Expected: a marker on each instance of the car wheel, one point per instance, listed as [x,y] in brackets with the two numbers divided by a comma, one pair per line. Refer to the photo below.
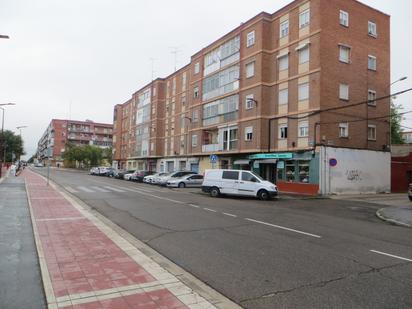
[214,192]
[410,198]
[263,195]
[181,185]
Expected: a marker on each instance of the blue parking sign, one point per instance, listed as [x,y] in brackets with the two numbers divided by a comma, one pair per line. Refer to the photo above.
[213,158]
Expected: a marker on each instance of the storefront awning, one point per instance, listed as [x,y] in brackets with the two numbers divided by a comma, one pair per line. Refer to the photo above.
[267,161]
[241,162]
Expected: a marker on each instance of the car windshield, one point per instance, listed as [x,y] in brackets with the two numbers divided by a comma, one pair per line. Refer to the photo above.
[258,177]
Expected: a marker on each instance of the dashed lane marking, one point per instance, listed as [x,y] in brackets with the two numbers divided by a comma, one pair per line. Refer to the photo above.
[208,209]
[228,214]
[114,189]
[85,189]
[391,255]
[193,205]
[283,228]
[99,189]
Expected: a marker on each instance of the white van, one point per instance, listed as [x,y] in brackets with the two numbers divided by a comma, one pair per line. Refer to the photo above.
[237,182]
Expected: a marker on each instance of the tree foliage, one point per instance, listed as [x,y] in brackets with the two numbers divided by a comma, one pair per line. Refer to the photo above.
[396,127]
[84,156]
[12,143]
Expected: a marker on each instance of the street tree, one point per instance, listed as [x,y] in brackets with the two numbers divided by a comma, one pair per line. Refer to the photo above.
[12,144]
[396,124]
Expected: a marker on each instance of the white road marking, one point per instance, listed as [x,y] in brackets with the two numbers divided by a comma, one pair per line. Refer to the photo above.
[100,189]
[283,228]
[85,189]
[70,189]
[391,255]
[230,215]
[133,190]
[114,189]
[193,205]
[208,209]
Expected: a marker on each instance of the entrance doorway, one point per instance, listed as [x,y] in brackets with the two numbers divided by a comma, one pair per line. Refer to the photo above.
[268,171]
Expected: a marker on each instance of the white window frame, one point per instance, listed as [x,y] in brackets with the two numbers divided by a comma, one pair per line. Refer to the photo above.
[371,101]
[250,69]
[283,96]
[283,62]
[196,93]
[344,130]
[372,138]
[372,29]
[248,101]
[344,48]
[194,140]
[374,67]
[304,19]
[303,91]
[197,68]
[344,92]
[248,134]
[284,29]
[303,129]
[304,55]
[195,115]
[282,132]
[344,18]
[250,39]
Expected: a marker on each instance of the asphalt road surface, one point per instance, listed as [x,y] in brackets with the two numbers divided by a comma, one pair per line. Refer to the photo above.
[288,253]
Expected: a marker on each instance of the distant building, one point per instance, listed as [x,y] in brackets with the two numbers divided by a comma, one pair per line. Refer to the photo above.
[267,96]
[407,137]
[60,132]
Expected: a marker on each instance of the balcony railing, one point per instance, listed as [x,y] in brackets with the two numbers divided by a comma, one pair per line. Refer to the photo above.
[210,148]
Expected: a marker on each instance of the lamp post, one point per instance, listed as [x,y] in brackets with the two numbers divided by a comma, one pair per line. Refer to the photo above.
[2,36]
[2,135]
[390,108]
[186,135]
[19,128]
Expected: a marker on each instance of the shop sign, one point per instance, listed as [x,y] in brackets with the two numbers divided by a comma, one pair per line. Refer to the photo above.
[280,164]
[286,155]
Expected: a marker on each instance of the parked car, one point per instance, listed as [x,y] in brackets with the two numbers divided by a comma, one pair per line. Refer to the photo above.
[139,175]
[38,165]
[120,173]
[195,180]
[94,171]
[111,172]
[154,179]
[410,192]
[104,171]
[237,182]
[128,176]
[164,179]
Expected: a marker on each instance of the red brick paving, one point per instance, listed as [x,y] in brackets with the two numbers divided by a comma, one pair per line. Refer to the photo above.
[80,258]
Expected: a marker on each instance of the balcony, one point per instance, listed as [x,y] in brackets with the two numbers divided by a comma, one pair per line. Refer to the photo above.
[210,148]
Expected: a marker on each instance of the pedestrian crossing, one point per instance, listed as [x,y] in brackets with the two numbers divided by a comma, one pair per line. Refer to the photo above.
[108,189]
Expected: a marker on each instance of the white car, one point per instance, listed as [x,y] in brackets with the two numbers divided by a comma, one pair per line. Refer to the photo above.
[152,178]
[193,181]
[127,176]
[164,179]
[237,182]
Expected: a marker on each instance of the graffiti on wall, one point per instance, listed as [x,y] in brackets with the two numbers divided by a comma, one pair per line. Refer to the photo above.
[354,175]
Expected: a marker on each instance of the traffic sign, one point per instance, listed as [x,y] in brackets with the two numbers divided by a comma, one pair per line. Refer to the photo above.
[333,162]
[213,158]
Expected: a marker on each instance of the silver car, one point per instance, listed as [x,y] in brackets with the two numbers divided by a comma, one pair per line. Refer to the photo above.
[186,181]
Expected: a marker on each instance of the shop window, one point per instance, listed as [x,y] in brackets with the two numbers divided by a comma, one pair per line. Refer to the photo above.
[304,171]
[290,171]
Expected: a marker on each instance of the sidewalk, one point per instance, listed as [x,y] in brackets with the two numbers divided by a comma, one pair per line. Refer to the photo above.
[399,210]
[20,278]
[86,264]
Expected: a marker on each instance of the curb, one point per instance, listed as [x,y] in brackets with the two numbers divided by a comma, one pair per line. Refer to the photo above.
[393,221]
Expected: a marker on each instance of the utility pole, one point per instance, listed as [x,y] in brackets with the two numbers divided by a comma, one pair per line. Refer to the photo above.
[175,51]
[19,128]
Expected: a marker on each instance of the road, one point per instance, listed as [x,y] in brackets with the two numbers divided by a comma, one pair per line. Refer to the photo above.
[288,253]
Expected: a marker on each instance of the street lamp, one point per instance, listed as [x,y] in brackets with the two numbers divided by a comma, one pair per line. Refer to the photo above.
[19,128]
[2,36]
[2,135]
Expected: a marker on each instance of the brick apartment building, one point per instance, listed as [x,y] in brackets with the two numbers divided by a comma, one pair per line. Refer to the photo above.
[60,132]
[266,96]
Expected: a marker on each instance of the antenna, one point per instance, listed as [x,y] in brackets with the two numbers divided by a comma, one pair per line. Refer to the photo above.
[175,51]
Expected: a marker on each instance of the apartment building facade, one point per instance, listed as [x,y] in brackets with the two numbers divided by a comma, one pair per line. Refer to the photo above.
[266,95]
[60,132]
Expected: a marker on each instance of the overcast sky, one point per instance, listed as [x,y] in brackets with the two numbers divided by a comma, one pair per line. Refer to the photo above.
[93,54]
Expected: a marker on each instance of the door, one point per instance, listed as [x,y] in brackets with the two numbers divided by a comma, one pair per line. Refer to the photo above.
[230,181]
[248,184]
[194,167]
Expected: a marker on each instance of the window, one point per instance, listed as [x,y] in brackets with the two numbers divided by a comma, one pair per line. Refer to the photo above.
[284,29]
[343,92]
[343,130]
[372,63]
[229,138]
[344,53]
[372,30]
[250,69]
[223,110]
[303,129]
[283,96]
[283,131]
[303,167]
[290,171]
[194,140]
[249,101]
[303,92]
[183,100]
[304,55]
[344,18]
[284,63]
[230,175]
[197,67]
[196,92]
[195,116]
[221,83]
[371,132]
[250,39]
[248,133]
[304,18]
[154,91]
[249,177]
[372,97]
